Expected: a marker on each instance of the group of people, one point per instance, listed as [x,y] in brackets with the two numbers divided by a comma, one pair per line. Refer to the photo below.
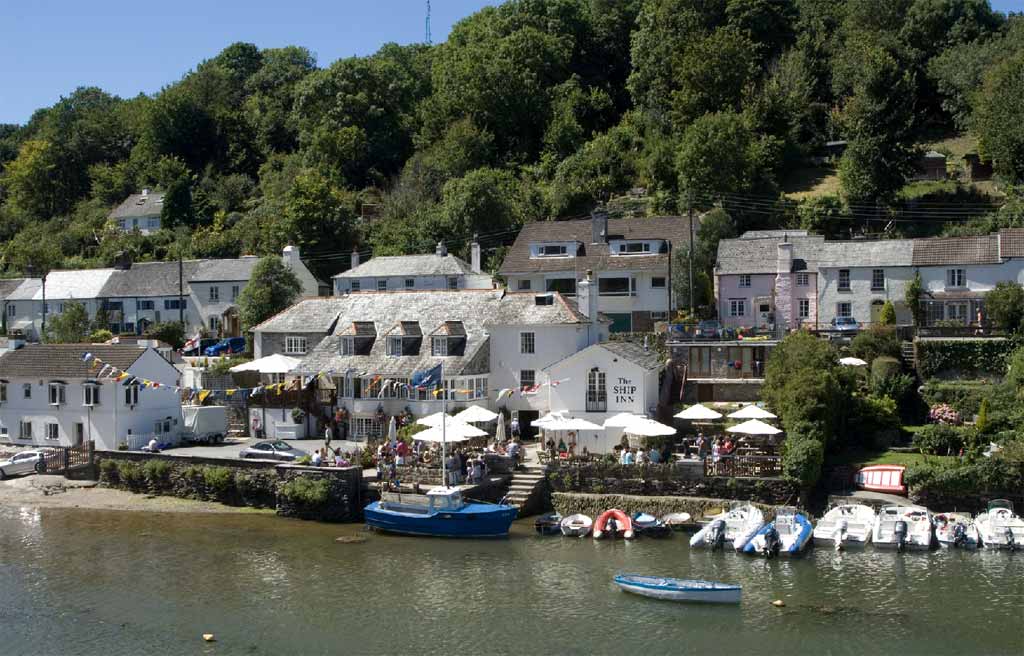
[327,457]
[631,455]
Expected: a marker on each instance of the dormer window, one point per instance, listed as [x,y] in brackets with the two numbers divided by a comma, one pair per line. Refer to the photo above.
[405,339]
[552,250]
[57,394]
[448,340]
[439,347]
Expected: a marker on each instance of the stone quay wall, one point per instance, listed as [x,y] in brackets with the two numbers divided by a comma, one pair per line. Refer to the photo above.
[592,505]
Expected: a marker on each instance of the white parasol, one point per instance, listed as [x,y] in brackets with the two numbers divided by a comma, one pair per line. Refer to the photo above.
[452,425]
[699,412]
[852,362]
[754,427]
[644,427]
[751,412]
[435,434]
[476,413]
[620,420]
[571,423]
[272,364]
[547,419]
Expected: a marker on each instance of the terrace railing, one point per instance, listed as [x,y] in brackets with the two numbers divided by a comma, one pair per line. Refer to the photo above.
[744,466]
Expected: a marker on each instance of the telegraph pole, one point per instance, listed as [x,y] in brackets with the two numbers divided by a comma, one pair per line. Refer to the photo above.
[689,211]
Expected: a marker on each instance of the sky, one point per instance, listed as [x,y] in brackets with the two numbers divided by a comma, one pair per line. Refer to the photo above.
[50,47]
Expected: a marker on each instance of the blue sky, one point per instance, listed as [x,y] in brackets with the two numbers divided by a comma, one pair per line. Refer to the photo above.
[50,47]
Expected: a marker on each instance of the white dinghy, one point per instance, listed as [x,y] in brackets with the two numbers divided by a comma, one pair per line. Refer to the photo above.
[903,527]
[845,525]
[577,526]
[999,527]
[957,530]
[735,526]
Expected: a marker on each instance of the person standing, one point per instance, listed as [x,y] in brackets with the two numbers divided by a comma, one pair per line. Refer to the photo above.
[514,426]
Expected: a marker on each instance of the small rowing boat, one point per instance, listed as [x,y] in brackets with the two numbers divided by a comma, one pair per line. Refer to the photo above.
[549,524]
[659,587]
[650,526]
[576,526]
[611,522]
[956,530]
[678,521]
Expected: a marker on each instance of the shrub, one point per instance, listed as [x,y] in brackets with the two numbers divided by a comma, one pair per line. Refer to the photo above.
[304,460]
[987,476]
[884,367]
[887,317]
[306,491]
[366,458]
[1005,305]
[157,473]
[131,475]
[982,425]
[219,480]
[802,459]
[876,342]
[966,357]
[877,413]
[108,472]
[223,366]
[170,332]
[964,396]
[939,439]
[944,414]
[100,336]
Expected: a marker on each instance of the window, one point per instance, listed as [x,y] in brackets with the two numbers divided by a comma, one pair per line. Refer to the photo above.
[956,278]
[564,286]
[802,280]
[214,294]
[144,305]
[635,247]
[27,388]
[527,343]
[57,394]
[658,282]
[234,292]
[24,430]
[355,286]
[439,346]
[215,325]
[3,392]
[659,316]
[410,283]
[453,282]
[91,395]
[527,378]
[172,304]
[273,379]
[348,345]
[394,346]
[46,308]
[11,310]
[131,395]
[744,280]
[115,306]
[737,307]
[552,251]
[844,310]
[844,280]
[365,427]
[877,279]
[52,431]
[129,327]
[382,285]
[803,308]
[60,308]
[294,345]
[597,391]
[616,287]
[523,285]
[153,223]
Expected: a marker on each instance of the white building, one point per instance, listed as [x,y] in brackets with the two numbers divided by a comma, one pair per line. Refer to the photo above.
[25,305]
[439,270]
[631,260]
[142,294]
[50,397]
[856,278]
[139,212]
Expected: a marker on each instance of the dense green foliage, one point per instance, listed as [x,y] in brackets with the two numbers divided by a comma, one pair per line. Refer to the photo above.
[272,288]
[1005,305]
[70,326]
[967,357]
[531,110]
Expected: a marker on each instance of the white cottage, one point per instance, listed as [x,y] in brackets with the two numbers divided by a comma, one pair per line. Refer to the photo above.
[49,396]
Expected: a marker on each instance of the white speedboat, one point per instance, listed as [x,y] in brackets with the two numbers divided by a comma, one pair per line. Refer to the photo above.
[955,529]
[577,526]
[735,526]
[788,534]
[903,527]
[999,527]
[845,525]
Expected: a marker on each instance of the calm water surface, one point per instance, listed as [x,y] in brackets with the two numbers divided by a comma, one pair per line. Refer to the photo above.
[85,582]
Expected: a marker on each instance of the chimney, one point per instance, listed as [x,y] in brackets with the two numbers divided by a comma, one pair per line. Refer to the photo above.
[355,259]
[474,255]
[784,259]
[122,261]
[586,300]
[598,226]
[441,250]
[145,192]
[290,257]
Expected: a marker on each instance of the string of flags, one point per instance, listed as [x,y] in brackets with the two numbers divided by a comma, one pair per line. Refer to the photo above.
[528,390]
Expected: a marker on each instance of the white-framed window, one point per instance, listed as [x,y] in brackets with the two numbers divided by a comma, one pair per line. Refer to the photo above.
[744,280]
[295,345]
[52,431]
[597,391]
[235,290]
[57,393]
[355,286]
[527,377]
[453,282]
[382,285]
[24,430]
[616,286]
[956,278]
[803,308]
[394,347]
[214,293]
[737,307]
[802,280]
[348,345]
[173,304]
[877,279]
[659,316]
[844,310]
[143,305]
[273,379]
[215,325]
[90,395]
[527,343]
[12,309]
[844,280]
[153,224]
[632,247]
[439,347]
[131,395]
[366,427]
[410,283]
[658,282]
[3,392]
[552,250]
[26,390]
[523,285]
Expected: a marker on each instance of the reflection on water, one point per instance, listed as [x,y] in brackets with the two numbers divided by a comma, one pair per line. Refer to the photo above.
[84,582]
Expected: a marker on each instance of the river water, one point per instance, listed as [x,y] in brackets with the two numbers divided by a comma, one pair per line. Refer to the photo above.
[90,582]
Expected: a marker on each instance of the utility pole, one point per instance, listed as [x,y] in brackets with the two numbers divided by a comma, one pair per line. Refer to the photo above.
[181,278]
[689,211]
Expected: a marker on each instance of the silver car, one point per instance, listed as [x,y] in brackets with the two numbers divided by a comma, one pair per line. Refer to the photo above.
[271,450]
[25,462]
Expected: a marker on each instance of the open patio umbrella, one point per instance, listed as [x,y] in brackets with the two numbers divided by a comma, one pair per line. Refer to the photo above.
[499,433]
[572,424]
[644,427]
[476,413]
[434,419]
[751,412]
[434,434]
[699,412]
[546,419]
[620,420]
[452,426]
[754,427]
[852,362]
[272,364]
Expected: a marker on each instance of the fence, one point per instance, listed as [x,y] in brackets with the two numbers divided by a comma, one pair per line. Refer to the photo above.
[62,459]
[743,466]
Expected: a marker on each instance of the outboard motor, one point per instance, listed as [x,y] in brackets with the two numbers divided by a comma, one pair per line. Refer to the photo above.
[1011,544]
[610,527]
[959,535]
[772,543]
[716,534]
[840,535]
[900,533]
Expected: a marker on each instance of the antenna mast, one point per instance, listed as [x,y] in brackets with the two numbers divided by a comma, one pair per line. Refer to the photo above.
[429,41]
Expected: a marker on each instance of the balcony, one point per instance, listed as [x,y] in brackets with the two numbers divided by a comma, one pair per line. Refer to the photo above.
[597,404]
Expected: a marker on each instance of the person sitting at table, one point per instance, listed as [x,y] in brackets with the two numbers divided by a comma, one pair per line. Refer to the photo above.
[728,447]
[550,444]
[654,456]
[628,457]
[585,453]
[641,457]
[561,445]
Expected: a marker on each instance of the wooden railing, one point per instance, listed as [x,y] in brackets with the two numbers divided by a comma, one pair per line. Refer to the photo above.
[743,466]
[62,459]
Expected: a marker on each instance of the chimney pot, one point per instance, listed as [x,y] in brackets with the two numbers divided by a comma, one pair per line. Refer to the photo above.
[474,255]
[355,259]
[441,250]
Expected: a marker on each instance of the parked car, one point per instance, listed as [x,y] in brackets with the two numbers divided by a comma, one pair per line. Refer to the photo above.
[709,329]
[25,462]
[271,450]
[226,346]
[845,324]
[199,348]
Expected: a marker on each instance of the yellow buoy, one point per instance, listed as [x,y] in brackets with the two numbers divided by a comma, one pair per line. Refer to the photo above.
[778,603]
[208,637]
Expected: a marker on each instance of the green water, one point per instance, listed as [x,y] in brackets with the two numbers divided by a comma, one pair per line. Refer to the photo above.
[85,582]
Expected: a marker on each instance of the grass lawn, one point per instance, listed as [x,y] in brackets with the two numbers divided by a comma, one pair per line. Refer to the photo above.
[862,458]
[811,181]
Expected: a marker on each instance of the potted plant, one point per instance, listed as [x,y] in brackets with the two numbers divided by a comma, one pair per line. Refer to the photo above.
[298,415]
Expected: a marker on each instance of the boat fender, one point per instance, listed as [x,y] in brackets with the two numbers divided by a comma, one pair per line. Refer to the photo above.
[900,533]
[778,603]
[209,637]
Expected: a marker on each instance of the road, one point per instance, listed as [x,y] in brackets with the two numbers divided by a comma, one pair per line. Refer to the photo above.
[232,446]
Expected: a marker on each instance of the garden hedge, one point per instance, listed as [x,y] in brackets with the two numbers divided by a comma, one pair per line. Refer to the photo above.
[964,357]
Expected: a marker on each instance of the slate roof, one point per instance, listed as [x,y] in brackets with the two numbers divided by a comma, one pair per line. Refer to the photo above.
[939,251]
[310,315]
[41,361]
[64,285]
[757,255]
[139,205]
[476,309]
[867,253]
[409,265]
[148,279]
[8,285]
[635,353]
[225,270]
[674,229]
[1011,242]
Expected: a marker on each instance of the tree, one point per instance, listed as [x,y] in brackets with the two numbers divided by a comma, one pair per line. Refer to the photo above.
[887,317]
[702,292]
[169,332]
[914,297]
[1005,305]
[33,250]
[999,118]
[271,289]
[718,154]
[70,326]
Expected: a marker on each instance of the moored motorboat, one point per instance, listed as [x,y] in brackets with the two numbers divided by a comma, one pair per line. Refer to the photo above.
[999,527]
[903,527]
[611,522]
[845,525]
[678,521]
[955,529]
[650,526]
[659,587]
[549,524]
[576,526]
[788,534]
[735,526]
[441,512]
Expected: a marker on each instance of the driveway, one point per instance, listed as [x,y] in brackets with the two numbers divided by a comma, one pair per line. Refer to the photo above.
[232,446]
